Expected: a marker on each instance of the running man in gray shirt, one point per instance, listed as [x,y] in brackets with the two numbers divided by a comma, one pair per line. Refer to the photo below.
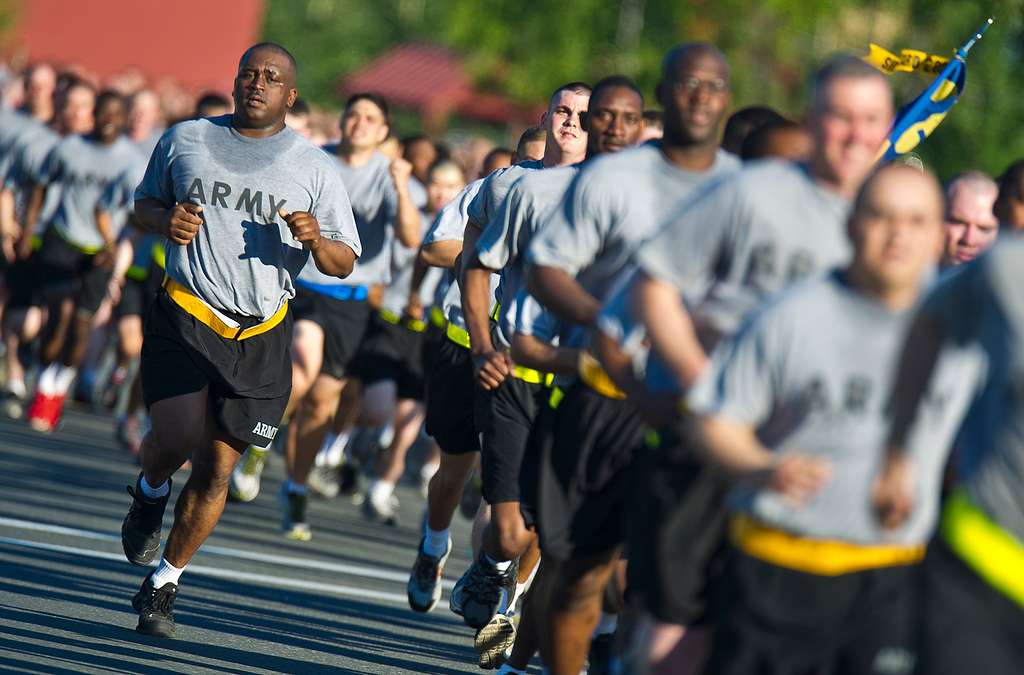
[974,595]
[794,409]
[244,202]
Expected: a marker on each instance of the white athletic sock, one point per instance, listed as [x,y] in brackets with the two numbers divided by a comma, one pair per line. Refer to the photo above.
[501,566]
[321,455]
[607,624]
[154,492]
[521,588]
[385,435]
[435,542]
[166,573]
[292,487]
[48,380]
[65,376]
[16,387]
[381,491]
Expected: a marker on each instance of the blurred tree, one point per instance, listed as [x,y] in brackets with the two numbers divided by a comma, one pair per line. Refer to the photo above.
[524,50]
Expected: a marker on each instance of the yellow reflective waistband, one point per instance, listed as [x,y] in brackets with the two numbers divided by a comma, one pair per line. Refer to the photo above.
[414,325]
[822,557]
[459,336]
[557,394]
[533,376]
[137,273]
[437,317]
[88,250]
[992,552]
[183,298]
[594,376]
[159,253]
[495,311]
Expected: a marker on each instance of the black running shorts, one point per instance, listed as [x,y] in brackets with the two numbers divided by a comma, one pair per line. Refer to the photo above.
[778,620]
[391,352]
[537,445]
[249,380]
[676,534]
[66,272]
[585,477]
[344,322]
[505,418]
[969,626]
[22,280]
[450,398]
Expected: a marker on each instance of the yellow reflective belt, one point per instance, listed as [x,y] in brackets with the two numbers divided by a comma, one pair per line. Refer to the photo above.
[137,273]
[822,557]
[594,376]
[495,311]
[414,325]
[533,376]
[88,250]
[437,317]
[992,552]
[457,335]
[159,254]
[183,298]
[557,394]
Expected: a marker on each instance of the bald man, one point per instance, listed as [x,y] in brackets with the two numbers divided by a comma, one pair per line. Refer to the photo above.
[244,203]
[971,223]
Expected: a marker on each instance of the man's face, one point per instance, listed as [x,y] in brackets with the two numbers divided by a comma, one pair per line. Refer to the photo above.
[695,99]
[421,154]
[850,126]
[971,227]
[41,85]
[363,126]
[443,184]
[144,114]
[897,232]
[111,119]
[614,120]
[76,114]
[564,122]
[264,89]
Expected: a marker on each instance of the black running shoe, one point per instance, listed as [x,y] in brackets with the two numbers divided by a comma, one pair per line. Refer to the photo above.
[482,591]
[140,531]
[156,608]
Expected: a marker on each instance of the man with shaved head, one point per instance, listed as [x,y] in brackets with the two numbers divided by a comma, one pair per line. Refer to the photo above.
[793,408]
[244,202]
[971,224]
[145,120]
[610,207]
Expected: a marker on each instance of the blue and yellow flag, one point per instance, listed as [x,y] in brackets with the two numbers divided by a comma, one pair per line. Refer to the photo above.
[918,119]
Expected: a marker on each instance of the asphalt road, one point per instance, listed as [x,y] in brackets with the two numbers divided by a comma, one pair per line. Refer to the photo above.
[250,602]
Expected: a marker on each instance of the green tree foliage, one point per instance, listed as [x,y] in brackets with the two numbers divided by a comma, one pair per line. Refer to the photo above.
[524,50]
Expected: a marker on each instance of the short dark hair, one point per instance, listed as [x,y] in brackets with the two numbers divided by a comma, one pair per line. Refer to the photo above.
[531,135]
[300,107]
[575,87]
[108,95]
[211,99]
[273,46]
[755,145]
[654,119]
[617,81]
[492,156]
[743,122]
[375,99]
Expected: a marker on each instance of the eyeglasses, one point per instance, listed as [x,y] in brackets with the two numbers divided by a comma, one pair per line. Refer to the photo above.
[691,85]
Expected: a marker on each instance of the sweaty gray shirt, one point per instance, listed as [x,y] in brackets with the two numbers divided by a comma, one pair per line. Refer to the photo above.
[81,168]
[982,307]
[812,371]
[529,203]
[244,258]
[375,207]
[615,203]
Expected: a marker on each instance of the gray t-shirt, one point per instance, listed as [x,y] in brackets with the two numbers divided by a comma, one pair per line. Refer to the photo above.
[118,198]
[528,204]
[615,203]
[982,307]
[81,169]
[13,127]
[396,295]
[812,371]
[244,259]
[27,155]
[744,238]
[375,207]
[492,193]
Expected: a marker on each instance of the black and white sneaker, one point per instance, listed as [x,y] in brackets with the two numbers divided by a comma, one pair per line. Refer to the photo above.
[493,642]
[140,531]
[156,608]
[424,588]
[482,591]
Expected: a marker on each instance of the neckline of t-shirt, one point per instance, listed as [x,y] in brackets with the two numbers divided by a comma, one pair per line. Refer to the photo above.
[275,137]
[688,173]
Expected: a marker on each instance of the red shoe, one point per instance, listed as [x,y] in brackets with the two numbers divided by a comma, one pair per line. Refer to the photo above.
[39,412]
[55,410]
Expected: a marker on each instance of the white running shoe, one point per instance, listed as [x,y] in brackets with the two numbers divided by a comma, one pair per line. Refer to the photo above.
[245,479]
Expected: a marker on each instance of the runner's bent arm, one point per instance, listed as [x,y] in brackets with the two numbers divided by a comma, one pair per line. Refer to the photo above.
[407,220]
[562,294]
[659,308]
[440,253]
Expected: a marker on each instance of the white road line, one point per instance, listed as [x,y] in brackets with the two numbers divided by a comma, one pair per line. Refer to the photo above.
[285,582]
[270,558]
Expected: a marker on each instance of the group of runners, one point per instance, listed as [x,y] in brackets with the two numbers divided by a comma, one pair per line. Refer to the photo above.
[737,399]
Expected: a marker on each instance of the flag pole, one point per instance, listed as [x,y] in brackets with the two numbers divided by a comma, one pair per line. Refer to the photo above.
[962,52]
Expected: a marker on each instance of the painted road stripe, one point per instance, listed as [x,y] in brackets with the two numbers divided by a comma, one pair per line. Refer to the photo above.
[284,560]
[236,575]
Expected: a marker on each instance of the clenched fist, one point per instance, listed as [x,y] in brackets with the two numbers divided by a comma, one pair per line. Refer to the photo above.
[304,227]
[400,170]
[183,222]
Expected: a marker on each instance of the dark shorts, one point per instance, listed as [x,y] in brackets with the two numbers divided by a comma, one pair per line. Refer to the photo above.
[778,620]
[344,322]
[505,418]
[391,352]
[969,627]
[676,534]
[22,277]
[585,477]
[66,272]
[138,294]
[249,380]
[451,390]
[537,445]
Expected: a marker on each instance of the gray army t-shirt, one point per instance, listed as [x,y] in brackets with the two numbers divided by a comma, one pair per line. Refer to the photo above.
[375,207]
[396,295]
[812,371]
[244,259]
[503,243]
[81,169]
[615,203]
